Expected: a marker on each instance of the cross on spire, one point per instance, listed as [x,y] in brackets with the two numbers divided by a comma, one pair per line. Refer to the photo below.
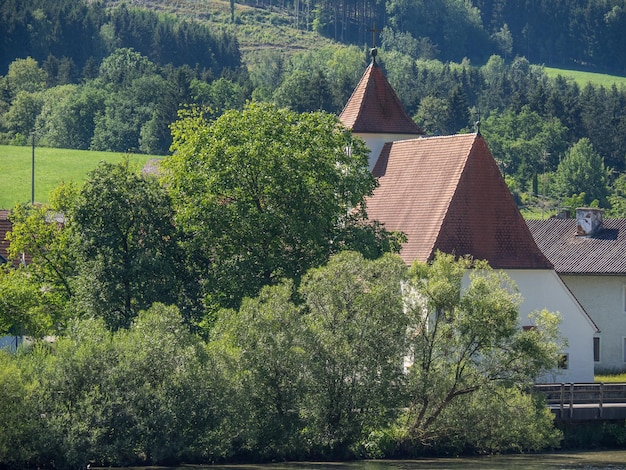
[374,31]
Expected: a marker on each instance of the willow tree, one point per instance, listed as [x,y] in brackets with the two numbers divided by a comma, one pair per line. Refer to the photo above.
[465,338]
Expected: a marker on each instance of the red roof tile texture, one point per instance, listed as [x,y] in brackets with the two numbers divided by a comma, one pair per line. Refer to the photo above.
[374,107]
[447,193]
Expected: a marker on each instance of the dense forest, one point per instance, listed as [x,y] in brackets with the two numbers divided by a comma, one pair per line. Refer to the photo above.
[76,36]
[113,76]
[566,33]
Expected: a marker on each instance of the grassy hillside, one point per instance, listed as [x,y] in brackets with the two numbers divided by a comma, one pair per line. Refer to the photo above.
[263,28]
[52,167]
[255,28]
[582,78]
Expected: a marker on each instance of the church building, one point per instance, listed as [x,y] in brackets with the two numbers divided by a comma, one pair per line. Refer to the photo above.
[447,194]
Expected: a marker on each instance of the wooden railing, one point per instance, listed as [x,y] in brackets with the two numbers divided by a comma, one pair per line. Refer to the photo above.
[566,397]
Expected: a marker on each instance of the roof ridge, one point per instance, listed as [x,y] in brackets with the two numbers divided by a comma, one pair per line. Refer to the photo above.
[360,90]
[453,194]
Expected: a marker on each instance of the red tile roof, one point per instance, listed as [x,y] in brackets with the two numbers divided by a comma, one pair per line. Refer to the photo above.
[447,193]
[5,226]
[374,107]
[601,253]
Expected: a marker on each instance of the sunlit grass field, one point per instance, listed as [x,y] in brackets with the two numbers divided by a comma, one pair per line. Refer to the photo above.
[52,167]
[582,78]
[620,378]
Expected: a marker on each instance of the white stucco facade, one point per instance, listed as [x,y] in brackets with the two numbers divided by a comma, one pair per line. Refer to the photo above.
[544,289]
[604,299]
[376,142]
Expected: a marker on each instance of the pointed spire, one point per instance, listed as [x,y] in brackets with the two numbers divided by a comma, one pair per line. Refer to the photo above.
[374,106]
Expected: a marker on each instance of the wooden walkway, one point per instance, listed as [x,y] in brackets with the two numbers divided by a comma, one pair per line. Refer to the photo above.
[585,401]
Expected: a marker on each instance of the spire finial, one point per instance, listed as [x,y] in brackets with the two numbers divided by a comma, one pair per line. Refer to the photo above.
[477,123]
[373,52]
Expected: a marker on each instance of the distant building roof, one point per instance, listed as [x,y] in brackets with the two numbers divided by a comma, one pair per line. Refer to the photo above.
[5,227]
[602,253]
[374,107]
[447,193]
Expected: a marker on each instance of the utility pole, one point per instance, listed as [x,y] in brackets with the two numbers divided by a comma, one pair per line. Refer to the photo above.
[32,181]
[544,158]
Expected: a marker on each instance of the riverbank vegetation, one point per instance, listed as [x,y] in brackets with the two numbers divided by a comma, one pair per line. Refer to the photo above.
[319,378]
[233,308]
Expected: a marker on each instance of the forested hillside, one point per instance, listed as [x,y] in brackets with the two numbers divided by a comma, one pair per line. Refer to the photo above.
[70,36]
[555,32]
[564,33]
[113,75]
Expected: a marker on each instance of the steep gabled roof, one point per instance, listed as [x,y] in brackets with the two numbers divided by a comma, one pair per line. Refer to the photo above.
[447,193]
[601,253]
[374,107]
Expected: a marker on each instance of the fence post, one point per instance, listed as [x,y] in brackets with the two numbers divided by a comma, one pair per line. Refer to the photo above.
[601,398]
[571,401]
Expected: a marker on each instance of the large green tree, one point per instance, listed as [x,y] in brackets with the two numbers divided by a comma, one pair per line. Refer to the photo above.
[316,368]
[260,350]
[355,345]
[583,171]
[138,396]
[34,296]
[69,113]
[128,254]
[267,193]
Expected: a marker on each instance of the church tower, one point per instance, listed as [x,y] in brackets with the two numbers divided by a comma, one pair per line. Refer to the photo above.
[374,112]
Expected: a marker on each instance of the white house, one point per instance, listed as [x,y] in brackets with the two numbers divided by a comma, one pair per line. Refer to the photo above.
[589,254]
[447,193]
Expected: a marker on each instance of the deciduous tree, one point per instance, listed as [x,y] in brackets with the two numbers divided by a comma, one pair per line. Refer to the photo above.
[128,253]
[267,193]
[466,338]
[583,171]
[355,345]
[261,350]
[41,232]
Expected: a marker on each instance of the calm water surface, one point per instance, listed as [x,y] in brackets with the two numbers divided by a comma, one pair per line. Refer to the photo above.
[615,460]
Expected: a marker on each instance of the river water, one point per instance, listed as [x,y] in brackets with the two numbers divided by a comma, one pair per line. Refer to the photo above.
[614,460]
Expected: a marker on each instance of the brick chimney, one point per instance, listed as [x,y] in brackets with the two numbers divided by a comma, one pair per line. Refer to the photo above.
[588,221]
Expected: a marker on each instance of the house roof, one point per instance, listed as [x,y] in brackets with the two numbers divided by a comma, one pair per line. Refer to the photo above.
[374,107]
[602,253]
[5,227]
[447,193]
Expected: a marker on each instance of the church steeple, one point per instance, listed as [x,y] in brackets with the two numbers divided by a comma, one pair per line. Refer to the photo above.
[375,113]
[374,106]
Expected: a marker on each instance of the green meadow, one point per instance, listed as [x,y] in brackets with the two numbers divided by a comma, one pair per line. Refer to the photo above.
[583,78]
[52,167]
